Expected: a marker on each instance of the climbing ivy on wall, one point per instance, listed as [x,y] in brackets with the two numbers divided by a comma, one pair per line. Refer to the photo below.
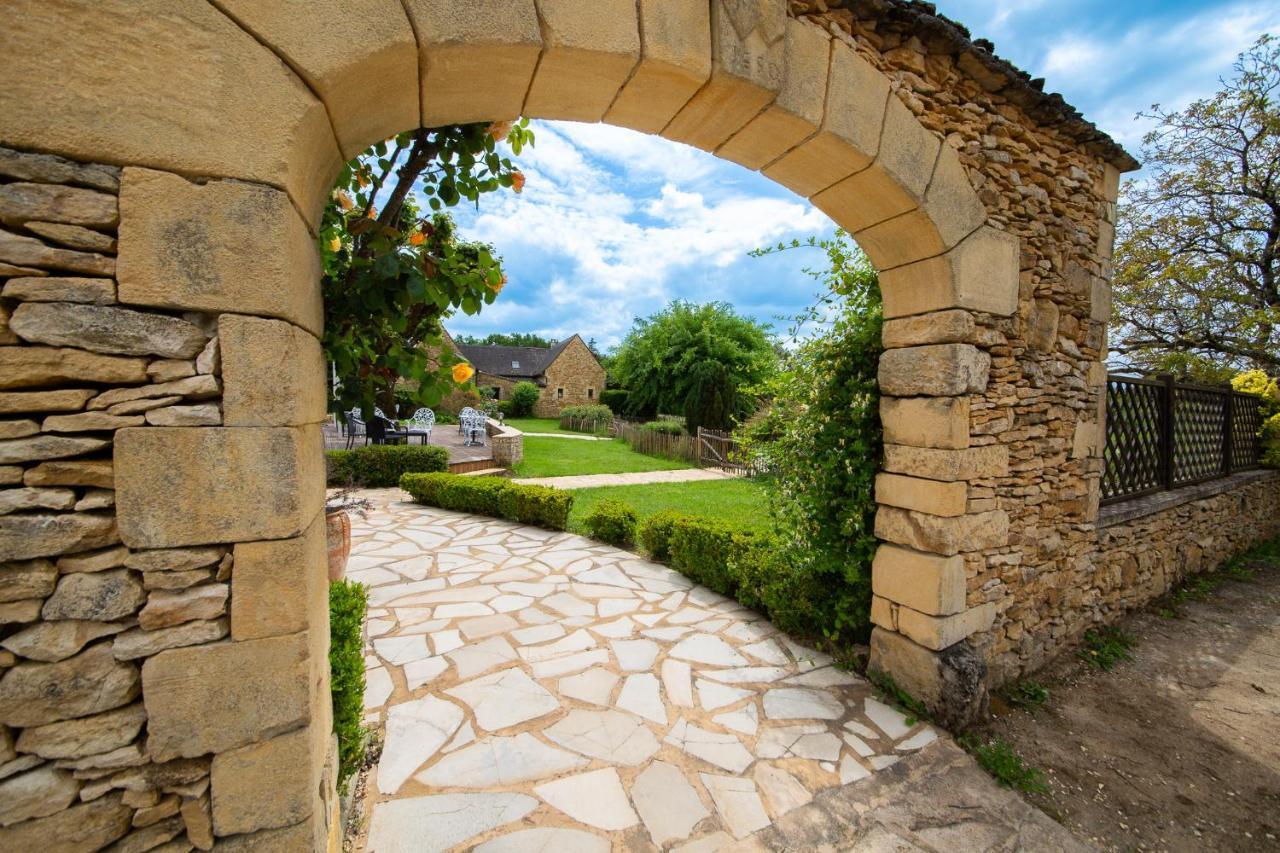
[394,265]
[820,435]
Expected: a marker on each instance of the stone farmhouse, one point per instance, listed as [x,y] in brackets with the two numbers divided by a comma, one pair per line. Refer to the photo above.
[568,373]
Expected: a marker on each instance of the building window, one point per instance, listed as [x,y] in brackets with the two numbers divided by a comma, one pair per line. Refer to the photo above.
[515,364]
[559,393]
[591,393]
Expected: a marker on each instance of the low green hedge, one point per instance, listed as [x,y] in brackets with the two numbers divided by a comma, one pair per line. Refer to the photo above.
[664,427]
[615,399]
[382,465]
[586,418]
[348,602]
[655,533]
[613,522]
[540,506]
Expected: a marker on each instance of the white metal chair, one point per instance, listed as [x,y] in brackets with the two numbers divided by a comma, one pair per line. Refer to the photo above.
[422,423]
[466,412]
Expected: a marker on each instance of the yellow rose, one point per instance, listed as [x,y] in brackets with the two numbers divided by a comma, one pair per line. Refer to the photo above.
[335,244]
[462,372]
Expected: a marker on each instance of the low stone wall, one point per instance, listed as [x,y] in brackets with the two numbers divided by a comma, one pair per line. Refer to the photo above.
[506,442]
[98,742]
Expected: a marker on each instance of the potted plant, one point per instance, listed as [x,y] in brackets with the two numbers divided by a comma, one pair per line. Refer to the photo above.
[337,522]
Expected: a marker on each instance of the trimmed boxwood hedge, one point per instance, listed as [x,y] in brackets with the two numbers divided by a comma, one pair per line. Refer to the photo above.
[382,465]
[348,602]
[613,522]
[540,506]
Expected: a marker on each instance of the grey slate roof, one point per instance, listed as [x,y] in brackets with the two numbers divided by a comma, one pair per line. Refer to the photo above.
[497,360]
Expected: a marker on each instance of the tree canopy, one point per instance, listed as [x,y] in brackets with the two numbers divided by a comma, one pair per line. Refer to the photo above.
[507,339]
[1197,288]
[696,360]
[391,275]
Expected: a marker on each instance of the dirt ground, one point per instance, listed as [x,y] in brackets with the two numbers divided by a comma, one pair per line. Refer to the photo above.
[1178,748]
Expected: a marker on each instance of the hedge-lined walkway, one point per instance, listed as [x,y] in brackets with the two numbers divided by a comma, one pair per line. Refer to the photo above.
[540,691]
[633,478]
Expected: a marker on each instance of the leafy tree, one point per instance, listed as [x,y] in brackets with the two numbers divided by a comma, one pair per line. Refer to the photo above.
[1198,257]
[507,339]
[694,358]
[524,396]
[820,436]
[390,275]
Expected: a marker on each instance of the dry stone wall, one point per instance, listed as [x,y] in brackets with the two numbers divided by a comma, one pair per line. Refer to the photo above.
[99,741]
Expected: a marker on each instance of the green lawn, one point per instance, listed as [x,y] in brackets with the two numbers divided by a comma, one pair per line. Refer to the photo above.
[563,457]
[538,425]
[739,501]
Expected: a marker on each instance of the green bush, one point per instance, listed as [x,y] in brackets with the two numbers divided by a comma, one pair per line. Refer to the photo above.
[524,396]
[655,533]
[507,408]
[615,399]
[664,427]
[348,602]
[493,496]
[1271,442]
[382,465]
[586,418]
[613,522]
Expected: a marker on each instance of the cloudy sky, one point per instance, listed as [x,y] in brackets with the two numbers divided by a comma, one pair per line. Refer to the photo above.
[612,224]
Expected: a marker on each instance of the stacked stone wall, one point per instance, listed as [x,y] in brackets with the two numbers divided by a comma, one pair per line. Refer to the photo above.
[97,626]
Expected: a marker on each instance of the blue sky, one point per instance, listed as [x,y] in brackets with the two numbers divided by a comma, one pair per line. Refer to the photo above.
[612,224]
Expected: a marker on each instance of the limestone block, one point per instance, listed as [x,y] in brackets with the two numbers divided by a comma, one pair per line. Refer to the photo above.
[168,369]
[797,111]
[142,643]
[928,583]
[26,367]
[588,53]
[210,358]
[95,596]
[6,336]
[748,52]
[1088,440]
[33,694]
[25,536]
[279,587]
[849,139]
[1099,300]
[931,496]
[94,561]
[69,400]
[174,559]
[55,641]
[176,580]
[36,793]
[359,56]
[216,246]
[178,486]
[20,612]
[28,579]
[195,387]
[307,835]
[267,785]
[90,422]
[932,632]
[91,291]
[27,252]
[22,202]
[210,699]
[16,500]
[273,373]
[497,41]
[935,370]
[675,60]
[197,817]
[1042,325]
[166,608]
[940,327]
[171,84]
[974,463]
[74,236]
[980,273]
[951,683]
[37,447]
[99,473]
[937,422]
[207,414]
[946,536]
[49,169]
[10,475]
[106,329]
[84,736]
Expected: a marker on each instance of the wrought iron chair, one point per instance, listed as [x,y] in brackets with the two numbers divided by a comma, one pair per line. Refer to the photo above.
[356,428]
[422,423]
[473,428]
[466,412]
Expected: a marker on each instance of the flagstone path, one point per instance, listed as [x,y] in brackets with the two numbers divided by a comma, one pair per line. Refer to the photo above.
[632,478]
[543,692]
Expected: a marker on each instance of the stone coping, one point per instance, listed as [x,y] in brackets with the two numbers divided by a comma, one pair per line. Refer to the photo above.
[1142,507]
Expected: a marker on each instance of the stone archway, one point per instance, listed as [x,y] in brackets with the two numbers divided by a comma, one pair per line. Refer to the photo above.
[987,206]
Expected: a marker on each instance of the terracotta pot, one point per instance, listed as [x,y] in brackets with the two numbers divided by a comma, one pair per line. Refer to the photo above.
[338,535]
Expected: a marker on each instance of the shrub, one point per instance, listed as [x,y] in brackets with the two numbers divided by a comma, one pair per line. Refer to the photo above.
[613,522]
[493,496]
[663,427]
[615,399]
[655,533]
[506,408]
[586,418]
[524,396]
[348,602]
[382,465]
[1271,442]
